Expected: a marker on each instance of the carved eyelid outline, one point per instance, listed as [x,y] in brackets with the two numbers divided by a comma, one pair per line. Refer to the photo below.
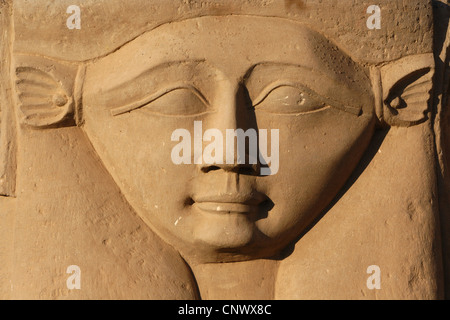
[158,94]
[275,85]
[327,103]
[278,84]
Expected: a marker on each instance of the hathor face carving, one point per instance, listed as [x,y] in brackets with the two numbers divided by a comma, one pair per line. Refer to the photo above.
[229,73]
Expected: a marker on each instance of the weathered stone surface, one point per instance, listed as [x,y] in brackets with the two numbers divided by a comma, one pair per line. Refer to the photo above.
[114,157]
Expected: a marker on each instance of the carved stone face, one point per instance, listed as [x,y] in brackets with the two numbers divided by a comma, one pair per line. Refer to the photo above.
[229,73]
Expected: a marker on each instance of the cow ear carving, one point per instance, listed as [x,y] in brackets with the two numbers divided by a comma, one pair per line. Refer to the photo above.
[45,91]
[403,90]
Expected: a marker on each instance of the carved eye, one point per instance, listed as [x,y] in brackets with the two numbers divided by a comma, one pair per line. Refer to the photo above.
[288,99]
[181,101]
[178,101]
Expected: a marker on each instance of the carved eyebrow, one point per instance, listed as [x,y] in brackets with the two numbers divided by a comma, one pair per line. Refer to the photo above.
[276,64]
[153,83]
[272,64]
[156,68]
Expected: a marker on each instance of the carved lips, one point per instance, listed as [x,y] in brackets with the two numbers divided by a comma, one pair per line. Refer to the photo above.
[247,201]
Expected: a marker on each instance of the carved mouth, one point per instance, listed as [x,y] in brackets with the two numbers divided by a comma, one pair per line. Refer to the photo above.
[223,207]
[242,203]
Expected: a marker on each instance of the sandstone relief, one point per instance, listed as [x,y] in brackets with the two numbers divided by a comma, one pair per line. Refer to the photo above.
[224,150]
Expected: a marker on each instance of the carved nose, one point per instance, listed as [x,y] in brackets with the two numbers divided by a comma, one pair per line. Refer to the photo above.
[243,169]
[232,122]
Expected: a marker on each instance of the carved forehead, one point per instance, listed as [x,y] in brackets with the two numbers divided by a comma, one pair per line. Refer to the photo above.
[40,26]
[240,44]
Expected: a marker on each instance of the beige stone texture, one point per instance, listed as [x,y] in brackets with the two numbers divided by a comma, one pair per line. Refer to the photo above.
[89,119]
